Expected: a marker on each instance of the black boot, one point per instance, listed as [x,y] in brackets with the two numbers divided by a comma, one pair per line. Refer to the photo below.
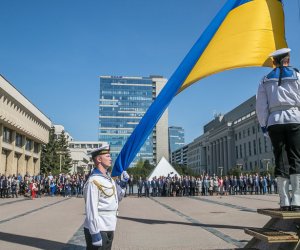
[295,208]
[285,208]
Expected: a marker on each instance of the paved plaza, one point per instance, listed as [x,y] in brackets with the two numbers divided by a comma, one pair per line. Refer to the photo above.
[144,223]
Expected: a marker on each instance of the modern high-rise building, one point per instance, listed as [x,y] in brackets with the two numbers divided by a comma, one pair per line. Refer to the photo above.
[123,102]
[176,138]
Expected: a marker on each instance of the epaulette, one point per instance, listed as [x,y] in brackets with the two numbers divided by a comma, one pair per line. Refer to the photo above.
[297,70]
[101,188]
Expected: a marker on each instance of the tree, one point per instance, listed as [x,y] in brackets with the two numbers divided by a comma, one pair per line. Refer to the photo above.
[65,160]
[184,170]
[235,171]
[54,153]
[49,156]
[142,168]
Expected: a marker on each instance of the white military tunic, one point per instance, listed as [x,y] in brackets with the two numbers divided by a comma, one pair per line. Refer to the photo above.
[102,196]
[279,104]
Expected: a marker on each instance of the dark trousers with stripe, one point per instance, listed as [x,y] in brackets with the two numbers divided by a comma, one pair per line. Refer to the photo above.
[285,140]
[107,239]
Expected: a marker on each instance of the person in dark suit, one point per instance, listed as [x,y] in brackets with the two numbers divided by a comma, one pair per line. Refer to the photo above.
[130,184]
[153,186]
[140,185]
[147,185]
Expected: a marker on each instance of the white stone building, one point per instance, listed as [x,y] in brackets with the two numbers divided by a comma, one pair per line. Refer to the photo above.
[23,129]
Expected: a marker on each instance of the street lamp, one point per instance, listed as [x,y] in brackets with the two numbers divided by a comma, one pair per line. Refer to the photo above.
[75,166]
[267,163]
[221,170]
[240,166]
[60,155]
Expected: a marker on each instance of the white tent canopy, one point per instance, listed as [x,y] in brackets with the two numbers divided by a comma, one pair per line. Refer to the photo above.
[163,168]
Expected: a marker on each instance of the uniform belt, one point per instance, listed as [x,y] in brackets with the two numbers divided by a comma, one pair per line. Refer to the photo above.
[283,108]
[108,212]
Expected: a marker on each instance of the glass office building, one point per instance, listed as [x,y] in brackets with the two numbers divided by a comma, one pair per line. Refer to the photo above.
[176,138]
[123,102]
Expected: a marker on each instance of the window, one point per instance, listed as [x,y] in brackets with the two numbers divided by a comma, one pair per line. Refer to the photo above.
[35,147]
[249,147]
[241,151]
[7,135]
[19,140]
[266,145]
[254,147]
[236,152]
[259,145]
[28,145]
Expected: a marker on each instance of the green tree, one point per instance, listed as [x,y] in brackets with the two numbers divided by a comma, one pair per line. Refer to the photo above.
[56,153]
[235,171]
[49,156]
[184,170]
[141,168]
[65,161]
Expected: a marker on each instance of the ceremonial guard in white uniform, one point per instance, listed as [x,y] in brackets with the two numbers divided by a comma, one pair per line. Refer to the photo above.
[102,196]
[278,112]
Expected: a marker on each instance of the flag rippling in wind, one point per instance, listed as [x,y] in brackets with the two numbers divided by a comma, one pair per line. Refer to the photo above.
[242,34]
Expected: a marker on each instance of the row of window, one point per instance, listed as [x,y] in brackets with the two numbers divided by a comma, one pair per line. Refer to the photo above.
[247,132]
[19,141]
[241,150]
[132,103]
[72,145]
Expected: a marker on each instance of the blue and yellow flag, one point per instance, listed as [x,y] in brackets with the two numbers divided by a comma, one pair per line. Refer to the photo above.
[242,34]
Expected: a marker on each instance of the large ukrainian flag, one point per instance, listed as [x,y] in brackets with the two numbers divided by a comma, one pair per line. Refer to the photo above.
[242,34]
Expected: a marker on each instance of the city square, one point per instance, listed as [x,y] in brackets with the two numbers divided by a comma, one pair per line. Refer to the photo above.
[198,222]
[107,141]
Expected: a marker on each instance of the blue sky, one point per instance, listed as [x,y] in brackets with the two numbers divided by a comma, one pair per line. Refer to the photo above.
[54,52]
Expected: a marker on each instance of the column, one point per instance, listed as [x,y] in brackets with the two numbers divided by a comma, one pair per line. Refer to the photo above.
[1,138]
[22,162]
[222,153]
[9,161]
[225,154]
[218,156]
[37,169]
[14,161]
[230,157]
[212,157]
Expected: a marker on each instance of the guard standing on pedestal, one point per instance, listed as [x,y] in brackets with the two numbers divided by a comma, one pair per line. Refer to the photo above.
[278,112]
[102,196]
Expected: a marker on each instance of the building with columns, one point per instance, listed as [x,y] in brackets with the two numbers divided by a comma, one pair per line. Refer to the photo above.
[231,140]
[23,129]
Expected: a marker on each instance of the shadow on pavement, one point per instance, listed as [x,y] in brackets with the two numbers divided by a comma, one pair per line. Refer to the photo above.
[148,221]
[37,242]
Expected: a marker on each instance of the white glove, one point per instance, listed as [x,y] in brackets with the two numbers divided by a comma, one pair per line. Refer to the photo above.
[125,176]
[96,239]
[266,135]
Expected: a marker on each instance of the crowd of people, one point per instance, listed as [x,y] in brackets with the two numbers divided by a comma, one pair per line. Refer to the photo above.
[35,186]
[68,185]
[204,185]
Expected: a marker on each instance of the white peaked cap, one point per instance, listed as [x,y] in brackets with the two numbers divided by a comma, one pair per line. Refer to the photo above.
[102,150]
[280,52]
